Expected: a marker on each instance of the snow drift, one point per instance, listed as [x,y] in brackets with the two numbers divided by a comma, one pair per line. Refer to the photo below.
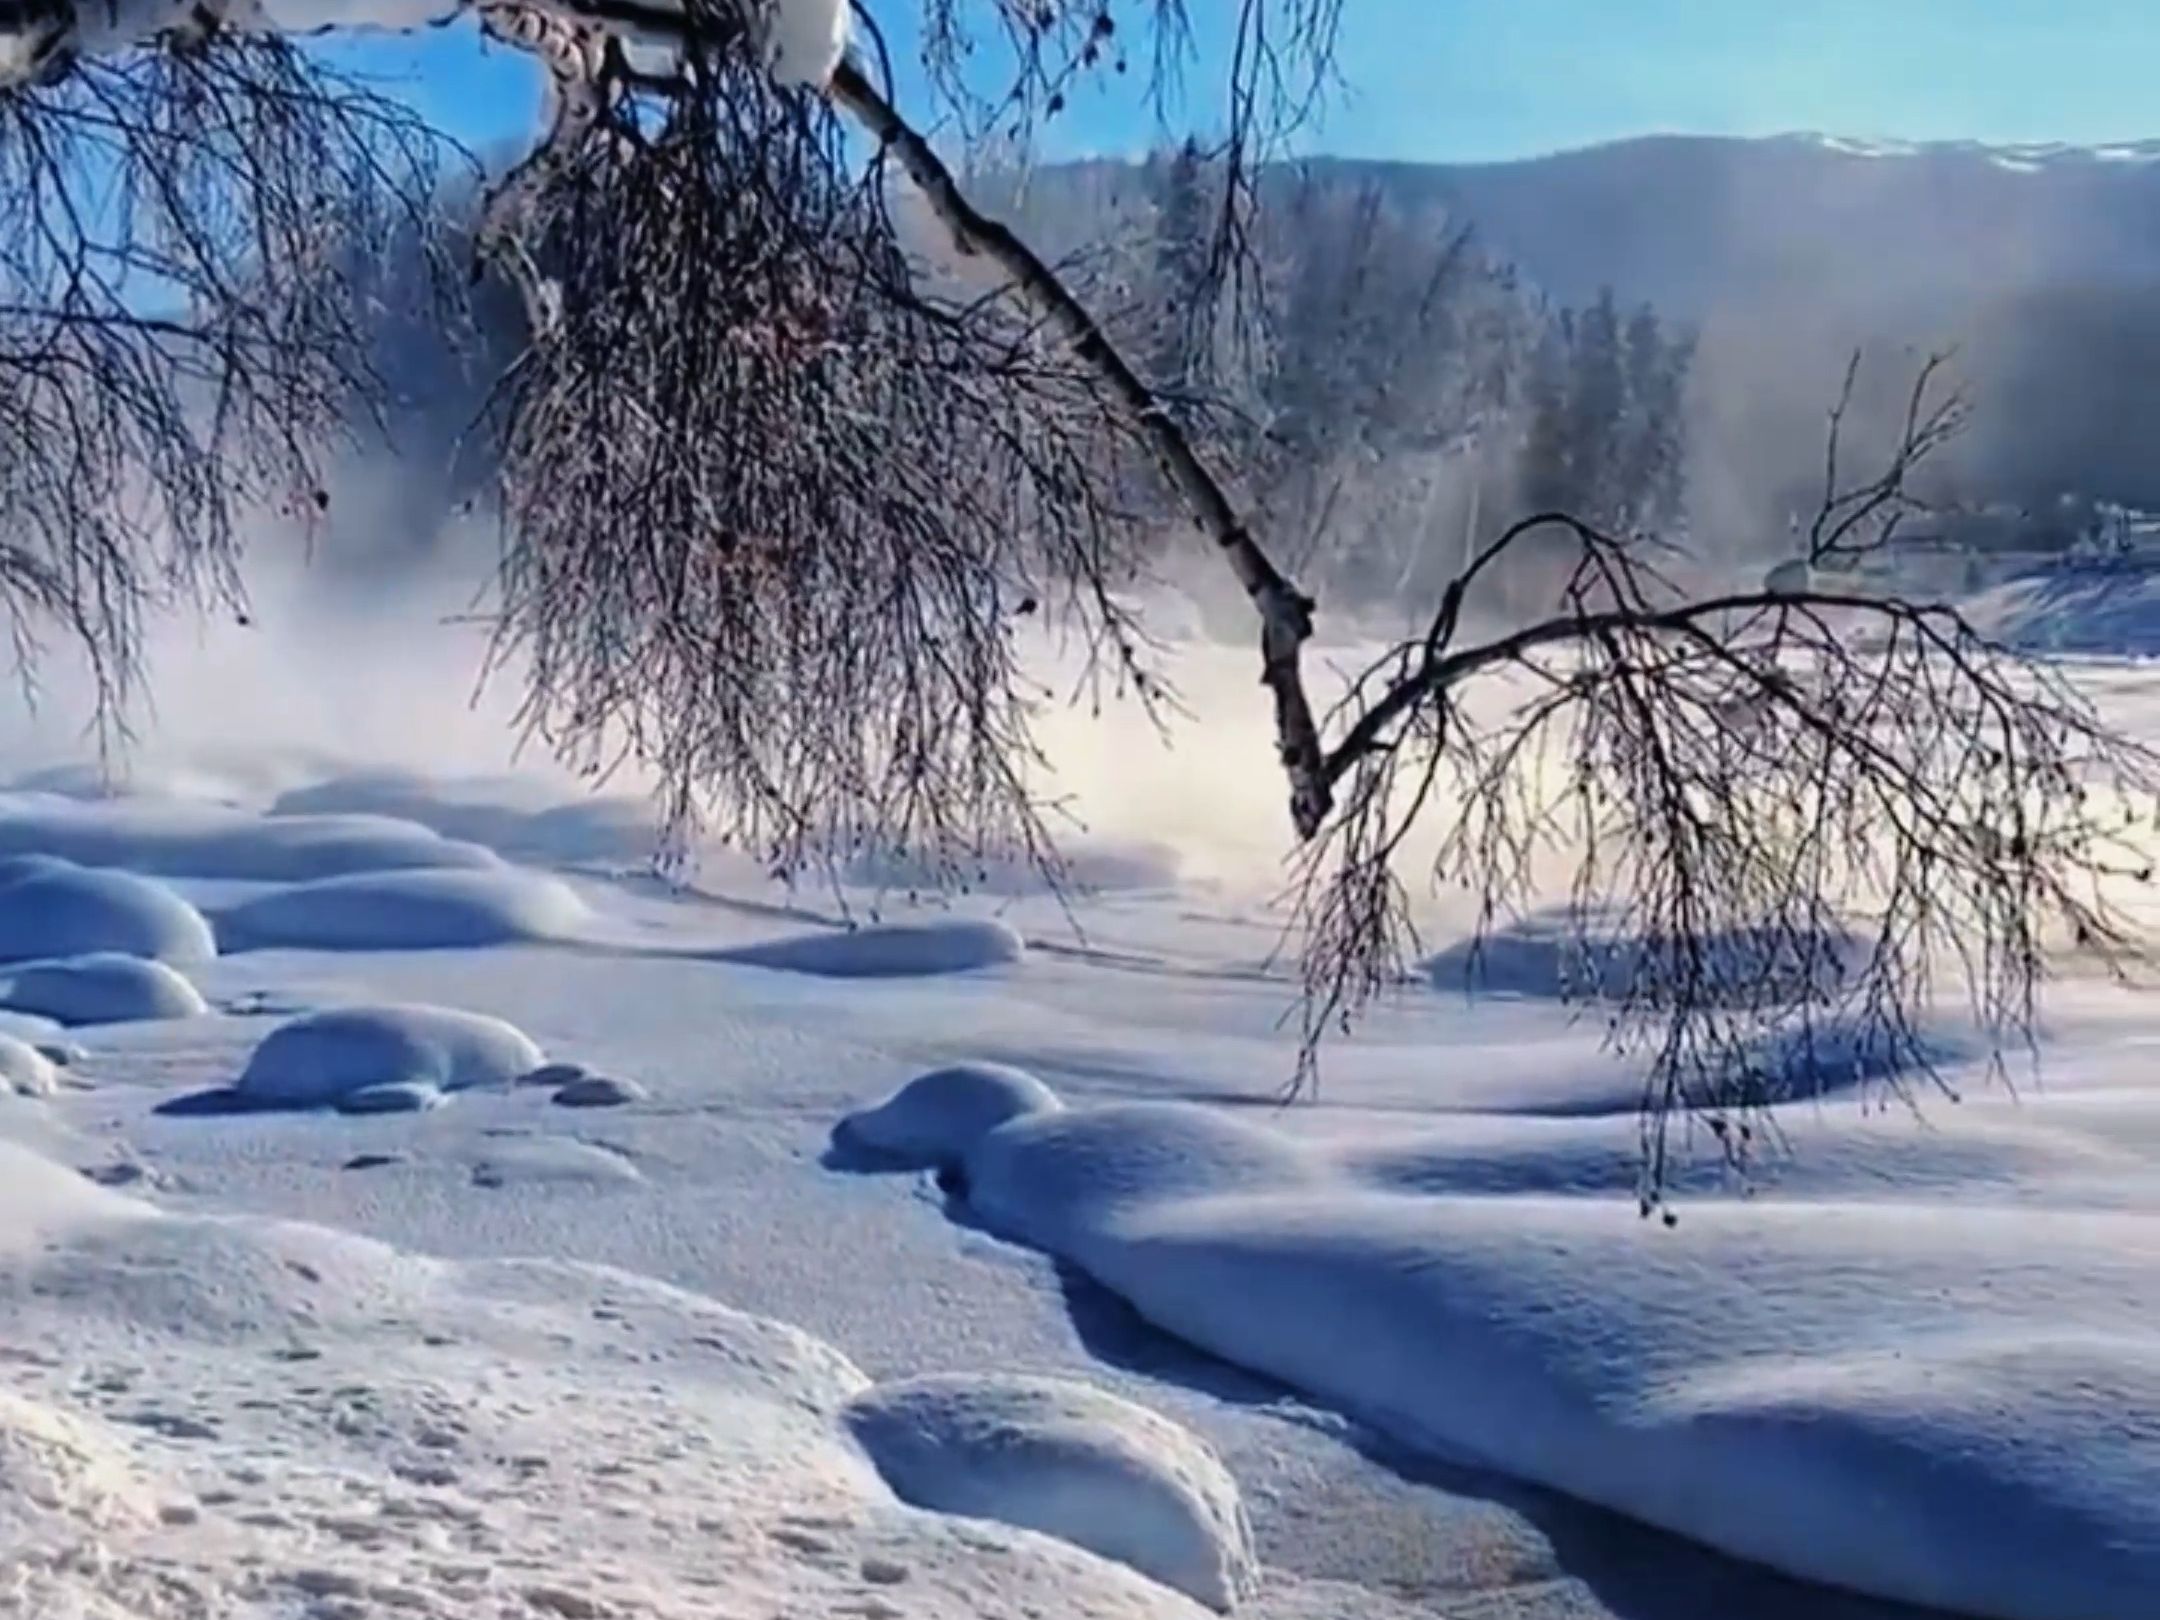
[1841,1391]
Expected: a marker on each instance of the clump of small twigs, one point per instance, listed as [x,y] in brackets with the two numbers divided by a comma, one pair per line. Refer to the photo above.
[776,513]
[1793,814]
[179,335]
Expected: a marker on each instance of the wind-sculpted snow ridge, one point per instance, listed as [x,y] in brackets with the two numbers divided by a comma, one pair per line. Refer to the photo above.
[250,1419]
[1949,1404]
[52,907]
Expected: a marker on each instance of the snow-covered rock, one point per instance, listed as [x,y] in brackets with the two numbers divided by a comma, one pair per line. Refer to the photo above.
[406,910]
[887,950]
[52,907]
[100,988]
[1070,1461]
[323,1059]
[936,1117]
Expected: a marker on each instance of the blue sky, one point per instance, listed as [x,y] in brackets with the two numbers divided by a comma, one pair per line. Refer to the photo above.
[1487,79]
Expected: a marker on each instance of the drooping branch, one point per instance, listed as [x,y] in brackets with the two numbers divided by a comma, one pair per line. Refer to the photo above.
[1784,818]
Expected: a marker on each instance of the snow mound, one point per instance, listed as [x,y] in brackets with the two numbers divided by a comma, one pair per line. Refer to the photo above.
[325,1059]
[509,815]
[887,950]
[1069,1461]
[935,1118]
[24,1070]
[407,910]
[177,838]
[29,1027]
[101,988]
[1888,1375]
[1554,956]
[52,907]
[1049,1179]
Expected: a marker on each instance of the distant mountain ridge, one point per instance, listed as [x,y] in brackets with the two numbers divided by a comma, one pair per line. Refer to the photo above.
[1891,234]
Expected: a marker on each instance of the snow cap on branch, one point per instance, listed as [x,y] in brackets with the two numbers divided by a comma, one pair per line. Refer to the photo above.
[802,41]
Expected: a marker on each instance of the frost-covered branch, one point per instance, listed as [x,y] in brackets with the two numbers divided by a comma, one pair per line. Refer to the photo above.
[180,334]
[1787,816]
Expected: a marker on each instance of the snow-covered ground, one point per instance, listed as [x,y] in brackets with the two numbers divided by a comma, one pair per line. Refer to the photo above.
[408,1206]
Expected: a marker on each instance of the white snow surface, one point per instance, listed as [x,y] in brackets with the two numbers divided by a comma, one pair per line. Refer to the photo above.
[888,950]
[1416,1325]
[411,910]
[326,1059]
[52,907]
[1071,1461]
[101,987]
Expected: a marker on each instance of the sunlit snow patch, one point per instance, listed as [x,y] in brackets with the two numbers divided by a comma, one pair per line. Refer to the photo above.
[1070,1461]
[52,907]
[100,988]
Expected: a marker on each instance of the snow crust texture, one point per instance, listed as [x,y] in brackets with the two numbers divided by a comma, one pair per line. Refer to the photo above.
[252,1419]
